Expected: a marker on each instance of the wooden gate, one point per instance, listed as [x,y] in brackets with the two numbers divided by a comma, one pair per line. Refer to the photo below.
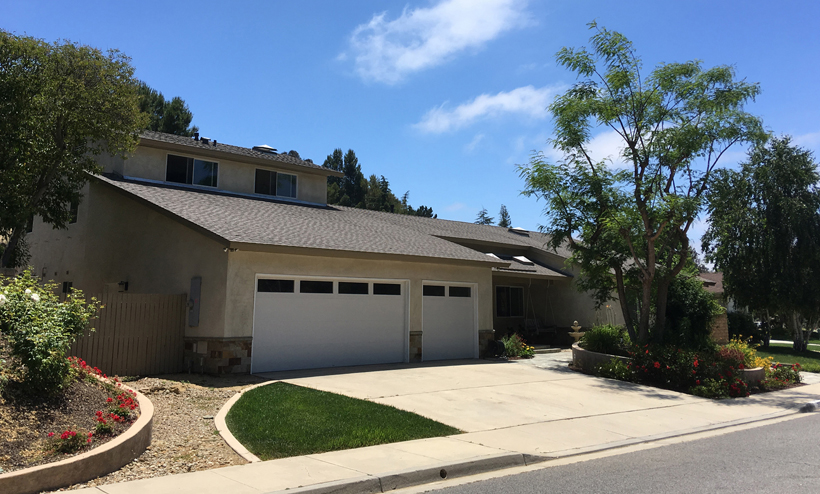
[136,335]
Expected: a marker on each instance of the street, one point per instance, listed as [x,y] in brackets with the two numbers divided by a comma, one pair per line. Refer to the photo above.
[782,457]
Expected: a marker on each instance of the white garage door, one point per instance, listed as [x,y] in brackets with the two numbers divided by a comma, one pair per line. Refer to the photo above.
[449,328]
[311,323]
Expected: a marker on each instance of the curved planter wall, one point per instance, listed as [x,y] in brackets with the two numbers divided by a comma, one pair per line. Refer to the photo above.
[103,460]
[587,361]
[753,376]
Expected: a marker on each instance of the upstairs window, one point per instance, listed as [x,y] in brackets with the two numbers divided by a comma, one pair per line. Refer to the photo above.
[72,211]
[183,170]
[272,183]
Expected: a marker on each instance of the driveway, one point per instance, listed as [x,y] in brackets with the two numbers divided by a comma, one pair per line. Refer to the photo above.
[539,406]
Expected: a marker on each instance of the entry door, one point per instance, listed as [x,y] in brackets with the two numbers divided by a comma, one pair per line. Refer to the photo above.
[321,322]
[449,325]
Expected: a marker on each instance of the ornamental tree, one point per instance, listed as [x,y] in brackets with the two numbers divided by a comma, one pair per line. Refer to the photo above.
[62,105]
[764,234]
[627,228]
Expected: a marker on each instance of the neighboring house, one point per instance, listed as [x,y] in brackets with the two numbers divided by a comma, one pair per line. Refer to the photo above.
[713,283]
[277,279]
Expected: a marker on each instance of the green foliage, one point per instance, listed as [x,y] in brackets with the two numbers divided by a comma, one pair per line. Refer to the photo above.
[281,420]
[483,218]
[614,369]
[690,311]
[627,228]
[781,376]
[710,388]
[742,325]
[62,105]
[504,217]
[515,346]
[39,329]
[171,117]
[764,233]
[607,338]
[355,191]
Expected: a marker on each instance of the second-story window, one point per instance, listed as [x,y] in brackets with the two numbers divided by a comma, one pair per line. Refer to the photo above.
[272,183]
[183,170]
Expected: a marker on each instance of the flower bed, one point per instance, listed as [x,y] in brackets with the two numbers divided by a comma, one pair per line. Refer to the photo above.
[94,415]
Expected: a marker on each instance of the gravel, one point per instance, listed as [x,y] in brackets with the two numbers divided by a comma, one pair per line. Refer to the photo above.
[185,438]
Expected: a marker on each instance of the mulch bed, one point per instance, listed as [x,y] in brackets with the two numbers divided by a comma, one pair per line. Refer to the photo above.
[26,421]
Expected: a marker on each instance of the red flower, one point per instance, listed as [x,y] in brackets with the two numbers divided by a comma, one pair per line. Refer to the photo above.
[109,400]
[50,434]
[90,434]
[696,363]
[657,365]
[697,382]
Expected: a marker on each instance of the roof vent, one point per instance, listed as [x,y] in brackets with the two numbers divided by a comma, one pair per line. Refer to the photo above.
[265,149]
[196,136]
[519,231]
[205,140]
[524,260]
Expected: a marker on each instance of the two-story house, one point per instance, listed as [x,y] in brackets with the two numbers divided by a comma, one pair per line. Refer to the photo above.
[277,279]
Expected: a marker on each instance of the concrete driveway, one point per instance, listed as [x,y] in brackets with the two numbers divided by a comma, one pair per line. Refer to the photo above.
[539,406]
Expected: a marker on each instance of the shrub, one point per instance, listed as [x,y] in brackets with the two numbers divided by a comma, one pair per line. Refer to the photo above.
[515,346]
[781,376]
[606,338]
[750,357]
[710,388]
[615,369]
[690,310]
[39,330]
[742,325]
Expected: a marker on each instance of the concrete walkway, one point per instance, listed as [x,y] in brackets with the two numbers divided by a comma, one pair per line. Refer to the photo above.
[512,413]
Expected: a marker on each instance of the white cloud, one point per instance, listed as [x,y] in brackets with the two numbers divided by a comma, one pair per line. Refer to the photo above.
[607,145]
[387,51]
[470,147]
[528,101]
[811,140]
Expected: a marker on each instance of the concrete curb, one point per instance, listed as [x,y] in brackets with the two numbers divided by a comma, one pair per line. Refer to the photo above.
[222,426]
[407,478]
[97,462]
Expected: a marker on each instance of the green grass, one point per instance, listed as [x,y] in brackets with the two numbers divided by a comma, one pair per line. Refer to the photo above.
[281,420]
[808,360]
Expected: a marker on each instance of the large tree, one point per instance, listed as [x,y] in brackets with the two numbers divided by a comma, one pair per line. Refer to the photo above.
[354,190]
[62,104]
[171,117]
[764,234]
[504,217]
[484,218]
[628,228]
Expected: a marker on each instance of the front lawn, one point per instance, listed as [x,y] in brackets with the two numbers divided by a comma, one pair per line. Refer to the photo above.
[808,360]
[281,420]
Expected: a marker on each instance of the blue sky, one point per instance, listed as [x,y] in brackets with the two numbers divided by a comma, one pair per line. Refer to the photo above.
[443,98]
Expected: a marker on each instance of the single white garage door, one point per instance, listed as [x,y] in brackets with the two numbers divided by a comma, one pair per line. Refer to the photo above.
[311,323]
[449,328]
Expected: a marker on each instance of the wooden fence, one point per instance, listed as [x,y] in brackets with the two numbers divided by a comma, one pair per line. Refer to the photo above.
[136,334]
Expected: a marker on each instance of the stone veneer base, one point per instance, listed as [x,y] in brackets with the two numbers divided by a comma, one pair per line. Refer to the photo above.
[97,462]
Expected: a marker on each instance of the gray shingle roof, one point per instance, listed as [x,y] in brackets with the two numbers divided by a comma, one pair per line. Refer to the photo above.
[227,148]
[250,220]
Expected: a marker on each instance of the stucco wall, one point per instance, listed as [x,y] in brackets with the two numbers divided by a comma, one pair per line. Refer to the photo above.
[234,176]
[122,240]
[243,267]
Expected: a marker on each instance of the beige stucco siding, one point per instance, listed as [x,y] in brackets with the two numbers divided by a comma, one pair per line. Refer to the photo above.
[243,267]
[233,176]
[124,240]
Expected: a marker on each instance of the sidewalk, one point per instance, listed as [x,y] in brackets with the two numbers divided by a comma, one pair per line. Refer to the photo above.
[513,414]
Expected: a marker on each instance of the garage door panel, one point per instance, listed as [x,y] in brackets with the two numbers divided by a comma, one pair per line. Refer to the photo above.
[449,327]
[310,330]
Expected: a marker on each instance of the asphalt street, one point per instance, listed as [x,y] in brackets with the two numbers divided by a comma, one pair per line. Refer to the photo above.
[782,457]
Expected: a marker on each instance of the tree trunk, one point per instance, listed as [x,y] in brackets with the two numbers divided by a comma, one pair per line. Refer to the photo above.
[797,332]
[8,253]
[660,311]
[629,322]
[646,301]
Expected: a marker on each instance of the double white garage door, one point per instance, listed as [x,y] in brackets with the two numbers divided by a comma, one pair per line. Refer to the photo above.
[304,323]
